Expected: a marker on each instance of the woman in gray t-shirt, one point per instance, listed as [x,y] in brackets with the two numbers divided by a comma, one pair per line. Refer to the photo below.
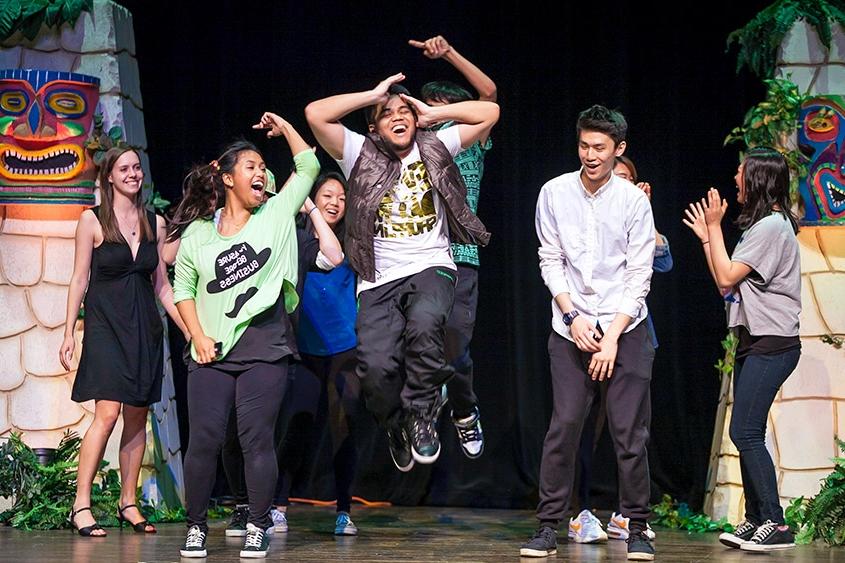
[761,283]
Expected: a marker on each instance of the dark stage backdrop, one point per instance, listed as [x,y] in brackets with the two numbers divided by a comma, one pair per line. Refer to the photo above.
[208,73]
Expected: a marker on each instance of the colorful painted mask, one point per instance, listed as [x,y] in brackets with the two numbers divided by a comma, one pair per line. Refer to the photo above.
[45,119]
[822,139]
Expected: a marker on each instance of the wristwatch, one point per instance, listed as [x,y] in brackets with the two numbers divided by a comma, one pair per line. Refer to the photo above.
[569,317]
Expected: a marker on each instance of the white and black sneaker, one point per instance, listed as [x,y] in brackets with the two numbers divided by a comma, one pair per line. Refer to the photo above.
[194,543]
[470,434]
[400,448]
[741,534]
[257,542]
[770,536]
[422,432]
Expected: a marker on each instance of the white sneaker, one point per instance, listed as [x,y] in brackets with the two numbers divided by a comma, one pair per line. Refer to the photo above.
[280,521]
[617,528]
[586,529]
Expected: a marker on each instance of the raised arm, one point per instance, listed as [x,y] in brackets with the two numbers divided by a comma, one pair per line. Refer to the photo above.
[297,187]
[437,48]
[329,245]
[84,249]
[475,118]
[324,115]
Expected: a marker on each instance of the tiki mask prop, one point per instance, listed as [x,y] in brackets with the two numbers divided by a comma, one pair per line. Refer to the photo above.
[45,119]
[821,138]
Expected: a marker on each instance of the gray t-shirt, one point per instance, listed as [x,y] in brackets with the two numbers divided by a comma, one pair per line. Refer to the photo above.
[768,300]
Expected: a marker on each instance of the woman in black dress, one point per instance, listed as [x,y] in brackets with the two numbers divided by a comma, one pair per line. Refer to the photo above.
[118,245]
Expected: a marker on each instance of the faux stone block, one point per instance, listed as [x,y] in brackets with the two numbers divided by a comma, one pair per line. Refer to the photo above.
[802,76]
[829,290]
[130,78]
[10,57]
[41,351]
[111,106]
[101,30]
[15,316]
[58,60]
[818,374]
[124,30]
[42,403]
[105,67]
[729,471]
[810,321]
[42,438]
[58,260]
[726,502]
[41,227]
[801,45]
[133,125]
[728,447]
[837,43]
[812,257]
[20,258]
[12,373]
[831,80]
[832,241]
[802,483]
[49,303]
[800,449]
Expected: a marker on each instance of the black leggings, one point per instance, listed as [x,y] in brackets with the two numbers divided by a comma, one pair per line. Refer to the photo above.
[257,395]
[325,392]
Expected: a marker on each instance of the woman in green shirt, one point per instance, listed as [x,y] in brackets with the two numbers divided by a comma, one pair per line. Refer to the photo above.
[234,284]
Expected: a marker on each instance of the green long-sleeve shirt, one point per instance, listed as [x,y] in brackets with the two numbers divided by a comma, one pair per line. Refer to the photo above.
[233,279]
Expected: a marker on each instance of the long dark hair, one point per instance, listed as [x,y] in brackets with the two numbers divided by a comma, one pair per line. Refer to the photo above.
[304,221]
[203,190]
[108,220]
[765,176]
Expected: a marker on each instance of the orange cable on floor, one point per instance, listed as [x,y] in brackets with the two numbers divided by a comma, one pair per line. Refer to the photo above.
[365,502]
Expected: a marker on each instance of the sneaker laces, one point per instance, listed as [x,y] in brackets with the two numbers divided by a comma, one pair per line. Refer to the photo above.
[471,433]
[545,533]
[195,538]
[254,538]
[423,429]
[638,535]
[764,530]
[743,527]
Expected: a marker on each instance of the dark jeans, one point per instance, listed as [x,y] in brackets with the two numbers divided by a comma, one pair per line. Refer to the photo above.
[628,417]
[757,379]
[257,395]
[402,323]
[459,329]
[325,392]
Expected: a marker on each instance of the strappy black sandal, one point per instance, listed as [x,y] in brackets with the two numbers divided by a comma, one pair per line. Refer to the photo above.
[87,530]
[140,527]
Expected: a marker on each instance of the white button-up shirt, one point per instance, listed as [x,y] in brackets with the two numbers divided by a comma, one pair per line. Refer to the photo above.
[598,248]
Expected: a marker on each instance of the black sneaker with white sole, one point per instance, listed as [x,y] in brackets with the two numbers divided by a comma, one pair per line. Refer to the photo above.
[543,544]
[741,534]
[640,547]
[422,432]
[194,543]
[400,449]
[470,434]
[257,542]
[770,536]
[237,524]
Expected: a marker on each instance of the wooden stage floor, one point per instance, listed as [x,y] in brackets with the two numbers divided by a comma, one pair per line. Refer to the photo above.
[386,534]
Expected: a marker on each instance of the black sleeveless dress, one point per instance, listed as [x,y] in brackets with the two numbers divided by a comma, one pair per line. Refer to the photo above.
[122,349]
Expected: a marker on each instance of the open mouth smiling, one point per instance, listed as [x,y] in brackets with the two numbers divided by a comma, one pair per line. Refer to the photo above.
[59,162]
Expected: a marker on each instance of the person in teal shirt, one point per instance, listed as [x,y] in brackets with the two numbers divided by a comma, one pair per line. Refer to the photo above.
[234,284]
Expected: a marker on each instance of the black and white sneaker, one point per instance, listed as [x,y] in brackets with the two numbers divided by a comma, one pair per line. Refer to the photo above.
[640,547]
[257,542]
[543,544]
[770,536]
[425,443]
[743,533]
[237,524]
[470,434]
[400,449]
[194,543]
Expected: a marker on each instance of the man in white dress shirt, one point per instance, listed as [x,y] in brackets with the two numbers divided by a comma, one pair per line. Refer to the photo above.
[596,234]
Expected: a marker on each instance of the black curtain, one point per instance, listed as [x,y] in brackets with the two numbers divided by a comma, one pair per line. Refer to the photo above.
[208,73]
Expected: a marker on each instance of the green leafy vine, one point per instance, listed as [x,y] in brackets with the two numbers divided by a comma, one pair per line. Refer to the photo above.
[27,16]
[678,515]
[823,516]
